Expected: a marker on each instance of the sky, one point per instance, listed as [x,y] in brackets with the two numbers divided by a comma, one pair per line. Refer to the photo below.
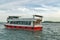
[49,9]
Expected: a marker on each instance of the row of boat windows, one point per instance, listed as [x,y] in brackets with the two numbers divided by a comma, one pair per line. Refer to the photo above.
[20,22]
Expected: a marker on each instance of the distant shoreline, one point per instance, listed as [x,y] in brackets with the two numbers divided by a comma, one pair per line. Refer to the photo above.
[42,22]
[50,22]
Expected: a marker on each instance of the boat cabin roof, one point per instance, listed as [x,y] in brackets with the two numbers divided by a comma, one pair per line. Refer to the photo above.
[19,18]
[22,19]
[38,15]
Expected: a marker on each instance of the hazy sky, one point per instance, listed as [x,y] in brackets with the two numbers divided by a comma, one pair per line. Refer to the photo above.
[50,9]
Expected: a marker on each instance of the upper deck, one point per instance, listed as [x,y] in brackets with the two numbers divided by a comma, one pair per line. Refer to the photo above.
[20,18]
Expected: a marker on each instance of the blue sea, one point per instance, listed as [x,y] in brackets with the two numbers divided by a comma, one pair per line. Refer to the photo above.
[51,31]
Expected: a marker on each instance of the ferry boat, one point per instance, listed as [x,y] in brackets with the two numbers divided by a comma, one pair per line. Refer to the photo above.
[17,22]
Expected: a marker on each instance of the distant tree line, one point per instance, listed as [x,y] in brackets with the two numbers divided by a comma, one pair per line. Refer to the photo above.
[50,22]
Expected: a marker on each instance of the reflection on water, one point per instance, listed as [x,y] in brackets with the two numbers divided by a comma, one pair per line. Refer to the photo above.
[51,31]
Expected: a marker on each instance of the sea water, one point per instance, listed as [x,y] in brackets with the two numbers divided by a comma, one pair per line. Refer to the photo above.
[51,31]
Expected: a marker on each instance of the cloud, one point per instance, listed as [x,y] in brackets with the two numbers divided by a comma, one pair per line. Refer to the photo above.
[47,13]
[50,9]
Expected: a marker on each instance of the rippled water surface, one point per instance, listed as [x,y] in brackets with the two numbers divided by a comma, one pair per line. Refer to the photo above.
[51,31]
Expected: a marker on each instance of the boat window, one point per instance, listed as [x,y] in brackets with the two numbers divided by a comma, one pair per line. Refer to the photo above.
[21,22]
[16,22]
[13,22]
[29,22]
[37,22]
[25,23]
[8,22]
[11,17]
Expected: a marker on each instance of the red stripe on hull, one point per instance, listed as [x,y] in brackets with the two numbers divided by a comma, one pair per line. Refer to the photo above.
[24,27]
